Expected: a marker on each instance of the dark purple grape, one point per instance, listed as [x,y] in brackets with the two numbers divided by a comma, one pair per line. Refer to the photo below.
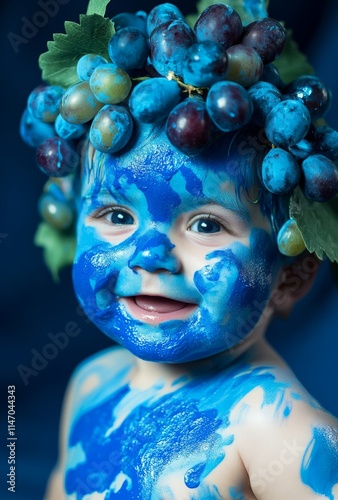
[145,108]
[219,23]
[306,146]
[206,63]
[244,65]
[229,105]
[327,142]
[169,43]
[33,131]
[56,158]
[271,75]
[161,14]
[125,19]
[265,97]
[267,36]
[128,49]
[189,127]
[44,101]
[312,92]
[320,178]
[287,123]
[280,172]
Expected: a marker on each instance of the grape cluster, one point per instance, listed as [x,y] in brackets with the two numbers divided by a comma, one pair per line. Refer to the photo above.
[201,82]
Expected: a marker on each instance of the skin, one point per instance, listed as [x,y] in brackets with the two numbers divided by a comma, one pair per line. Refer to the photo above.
[194,404]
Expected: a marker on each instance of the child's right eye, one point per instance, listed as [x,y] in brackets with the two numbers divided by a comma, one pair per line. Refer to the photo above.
[120,217]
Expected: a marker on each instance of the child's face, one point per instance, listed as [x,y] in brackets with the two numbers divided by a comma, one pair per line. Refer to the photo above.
[173,261]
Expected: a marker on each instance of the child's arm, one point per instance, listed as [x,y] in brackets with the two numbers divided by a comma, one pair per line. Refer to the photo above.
[294,457]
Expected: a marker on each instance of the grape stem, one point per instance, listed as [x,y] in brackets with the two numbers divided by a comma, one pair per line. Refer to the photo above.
[185,86]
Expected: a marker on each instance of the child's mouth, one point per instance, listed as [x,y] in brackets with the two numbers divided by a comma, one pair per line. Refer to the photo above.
[156,309]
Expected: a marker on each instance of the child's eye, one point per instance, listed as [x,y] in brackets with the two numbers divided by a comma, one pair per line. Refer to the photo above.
[120,217]
[206,225]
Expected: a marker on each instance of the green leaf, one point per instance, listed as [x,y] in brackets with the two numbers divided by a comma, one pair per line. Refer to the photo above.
[249,10]
[92,35]
[317,223]
[58,247]
[97,7]
[292,63]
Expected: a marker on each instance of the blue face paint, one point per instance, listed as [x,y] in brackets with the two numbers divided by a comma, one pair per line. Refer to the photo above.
[320,462]
[229,287]
[187,432]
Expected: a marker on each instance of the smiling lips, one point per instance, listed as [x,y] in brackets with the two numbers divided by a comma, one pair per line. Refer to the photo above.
[155,309]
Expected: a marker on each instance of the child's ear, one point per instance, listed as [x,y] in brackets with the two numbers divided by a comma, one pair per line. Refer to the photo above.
[294,282]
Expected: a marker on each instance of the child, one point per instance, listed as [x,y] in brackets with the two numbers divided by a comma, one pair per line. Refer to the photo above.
[195,404]
[178,260]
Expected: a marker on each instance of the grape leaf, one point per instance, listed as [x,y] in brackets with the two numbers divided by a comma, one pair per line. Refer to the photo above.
[317,223]
[292,63]
[249,10]
[97,7]
[58,247]
[92,35]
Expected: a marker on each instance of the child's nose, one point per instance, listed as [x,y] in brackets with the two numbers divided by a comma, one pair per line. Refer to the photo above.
[154,253]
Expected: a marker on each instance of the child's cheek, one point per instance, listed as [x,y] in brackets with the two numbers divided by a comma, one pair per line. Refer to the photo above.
[237,283]
[97,267]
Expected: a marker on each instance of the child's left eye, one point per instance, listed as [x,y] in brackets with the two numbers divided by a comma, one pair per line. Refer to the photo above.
[207,226]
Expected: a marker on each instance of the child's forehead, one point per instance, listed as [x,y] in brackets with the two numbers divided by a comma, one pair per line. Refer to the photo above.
[157,162]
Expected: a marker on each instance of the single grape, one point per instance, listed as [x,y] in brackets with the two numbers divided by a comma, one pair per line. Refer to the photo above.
[161,14]
[78,104]
[306,146]
[327,142]
[287,123]
[206,63]
[271,75]
[110,84]
[244,65]
[267,36]
[125,19]
[312,92]
[280,172]
[265,97]
[219,23]
[320,178]
[189,127]
[289,240]
[86,65]
[128,48]
[229,105]
[33,131]
[55,212]
[56,158]
[68,130]
[145,108]
[169,43]
[111,129]
[44,101]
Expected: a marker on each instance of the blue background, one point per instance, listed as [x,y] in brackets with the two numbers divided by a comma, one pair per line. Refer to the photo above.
[32,306]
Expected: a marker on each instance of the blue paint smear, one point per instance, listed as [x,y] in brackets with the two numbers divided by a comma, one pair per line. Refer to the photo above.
[236,494]
[171,429]
[320,461]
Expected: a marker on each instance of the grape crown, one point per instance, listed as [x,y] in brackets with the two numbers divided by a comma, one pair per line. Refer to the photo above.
[219,76]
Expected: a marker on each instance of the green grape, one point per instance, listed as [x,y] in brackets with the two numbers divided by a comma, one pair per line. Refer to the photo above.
[244,65]
[289,240]
[57,213]
[78,104]
[111,129]
[110,84]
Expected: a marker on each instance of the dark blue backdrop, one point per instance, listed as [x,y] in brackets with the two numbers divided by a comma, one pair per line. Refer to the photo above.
[33,307]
